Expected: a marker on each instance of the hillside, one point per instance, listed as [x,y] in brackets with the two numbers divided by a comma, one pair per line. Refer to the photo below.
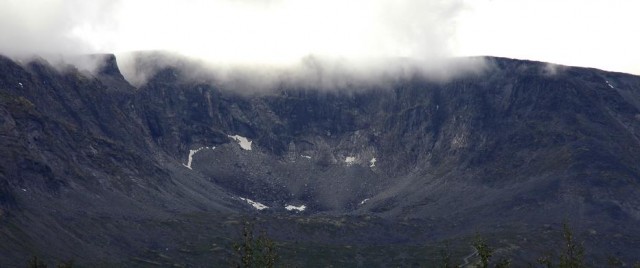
[103,172]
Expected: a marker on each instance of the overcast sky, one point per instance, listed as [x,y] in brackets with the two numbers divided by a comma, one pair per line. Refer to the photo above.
[595,33]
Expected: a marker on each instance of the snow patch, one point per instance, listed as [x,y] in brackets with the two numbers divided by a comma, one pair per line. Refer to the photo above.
[256,205]
[364,201]
[244,142]
[372,162]
[608,84]
[350,160]
[306,156]
[20,84]
[193,152]
[24,190]
[298,208]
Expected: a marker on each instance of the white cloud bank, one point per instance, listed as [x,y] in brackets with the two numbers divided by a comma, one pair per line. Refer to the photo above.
[49,26]
[230,32]
[595,33]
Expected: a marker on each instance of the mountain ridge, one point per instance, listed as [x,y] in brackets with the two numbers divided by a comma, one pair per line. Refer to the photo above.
[520,143]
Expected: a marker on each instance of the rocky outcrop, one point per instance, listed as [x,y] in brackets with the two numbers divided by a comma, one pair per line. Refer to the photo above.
[521,143]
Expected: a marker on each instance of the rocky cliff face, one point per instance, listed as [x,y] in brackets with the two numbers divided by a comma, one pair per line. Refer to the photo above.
[91,158]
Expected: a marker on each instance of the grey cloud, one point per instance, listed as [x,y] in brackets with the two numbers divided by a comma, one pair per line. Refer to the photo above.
[44,28]
[404,38]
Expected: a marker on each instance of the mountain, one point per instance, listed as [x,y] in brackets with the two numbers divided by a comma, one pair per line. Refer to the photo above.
[97,170]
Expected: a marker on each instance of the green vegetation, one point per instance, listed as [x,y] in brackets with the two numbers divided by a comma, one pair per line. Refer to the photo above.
[35,262]
[15,103]
[484,251]
[254,252]
[255,249]
[503,263]
[572,253]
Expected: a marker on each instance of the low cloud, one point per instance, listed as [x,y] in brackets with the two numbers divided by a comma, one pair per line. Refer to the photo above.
[46,27]
[311,72]
[326,43]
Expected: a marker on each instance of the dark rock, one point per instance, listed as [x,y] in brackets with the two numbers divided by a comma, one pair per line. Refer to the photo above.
[514,146]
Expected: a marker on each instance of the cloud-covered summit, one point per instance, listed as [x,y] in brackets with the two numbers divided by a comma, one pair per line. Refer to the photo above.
[233,32]
[328,43]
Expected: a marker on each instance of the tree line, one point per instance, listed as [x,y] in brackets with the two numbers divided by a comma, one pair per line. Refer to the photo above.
[259,250]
